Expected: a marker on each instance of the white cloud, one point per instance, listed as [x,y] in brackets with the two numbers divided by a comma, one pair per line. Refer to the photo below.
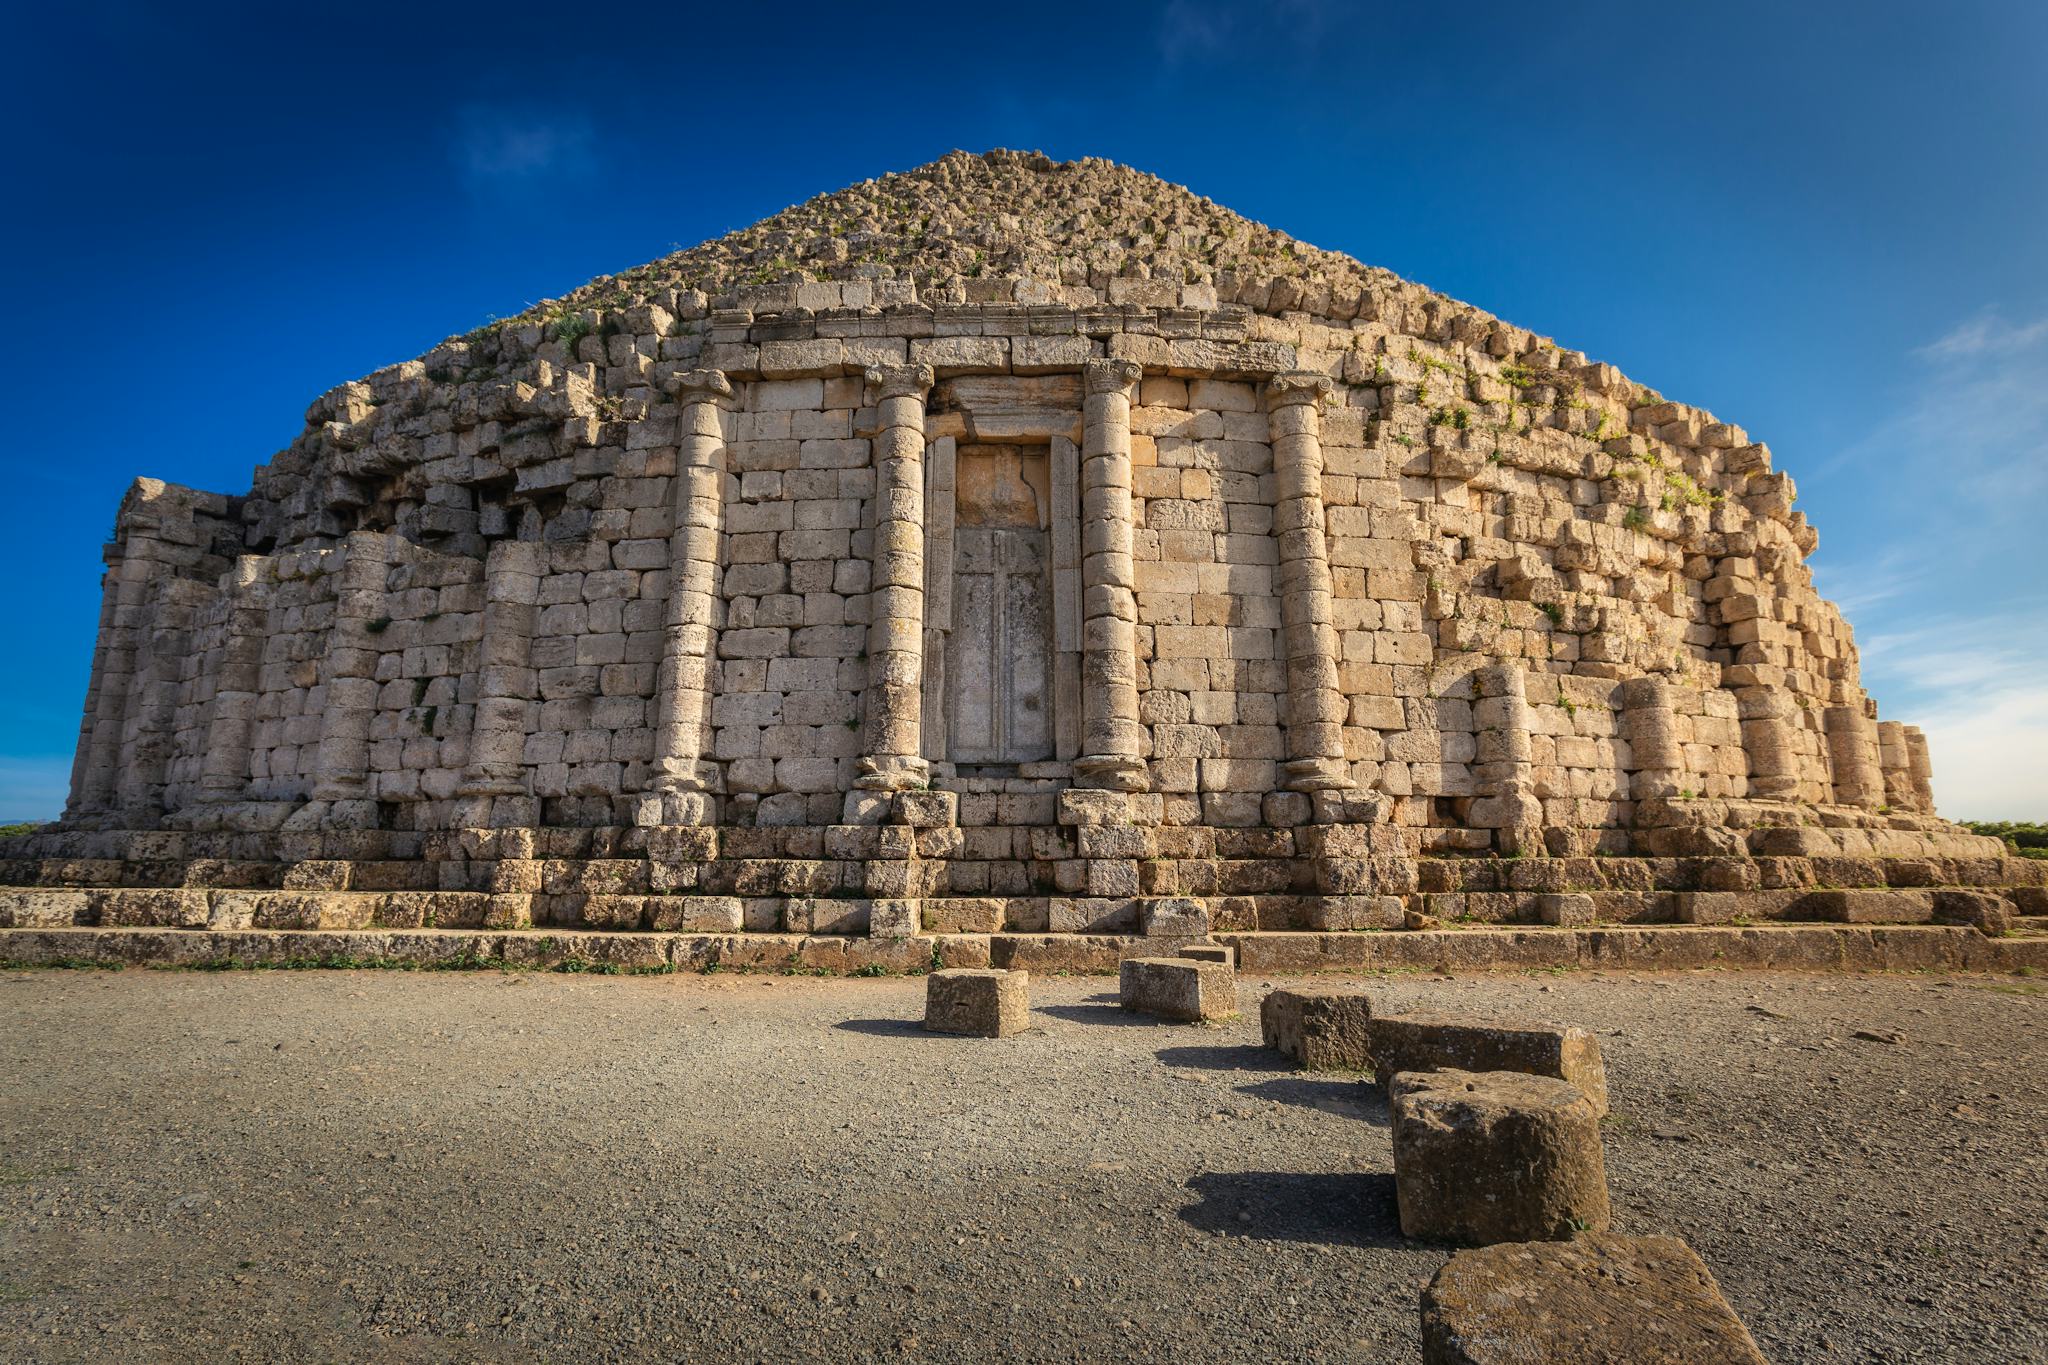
[497,148]
[1952,486]
[1985,332]
[33,788]
[1979,688]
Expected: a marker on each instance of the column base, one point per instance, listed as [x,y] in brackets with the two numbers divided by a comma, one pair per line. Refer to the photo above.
[892,773]
[325,814]
[1350,806]
[237,817]
[674,807]
[1111,772]
[1315,774]
[493,780]
[502,811]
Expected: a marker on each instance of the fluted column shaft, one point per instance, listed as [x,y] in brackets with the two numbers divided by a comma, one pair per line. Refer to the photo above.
[1852,757]
[1650,724]
[1921,769]
[1112,740]
[1767,743]
[124,595]
[1308,631]
[342,761]
[1895,761]
[506,681]
[231,718]
[685,779]
[892,732]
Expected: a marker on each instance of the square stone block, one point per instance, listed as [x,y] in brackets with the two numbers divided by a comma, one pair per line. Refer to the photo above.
[1325,1028]
[1173,917]
[1429,1042]
[1210,952]
[926,809]
[894,917]
[1496,1156]
[1567,910]
[1597,1298]
[977,1002]
[1177,988]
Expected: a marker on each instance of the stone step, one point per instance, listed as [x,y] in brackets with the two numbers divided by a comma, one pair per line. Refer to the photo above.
[140,872]
[228,908]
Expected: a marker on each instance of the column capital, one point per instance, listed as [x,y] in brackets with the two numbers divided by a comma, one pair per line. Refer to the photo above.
[899,381]
[1297,386]
[1110,376]
[700,386]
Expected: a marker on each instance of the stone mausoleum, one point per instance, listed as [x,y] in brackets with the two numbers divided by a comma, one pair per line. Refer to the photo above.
[1033,557]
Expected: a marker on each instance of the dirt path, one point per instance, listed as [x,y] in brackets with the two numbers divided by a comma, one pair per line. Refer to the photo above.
[262,1166]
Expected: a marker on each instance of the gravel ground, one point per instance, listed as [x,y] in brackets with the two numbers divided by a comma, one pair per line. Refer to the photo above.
[424,1167]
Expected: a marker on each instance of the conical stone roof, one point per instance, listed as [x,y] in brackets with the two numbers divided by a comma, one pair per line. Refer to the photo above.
[1000,215]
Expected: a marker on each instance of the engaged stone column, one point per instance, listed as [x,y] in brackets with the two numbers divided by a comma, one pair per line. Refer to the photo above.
[124,594]
[1920,769]
[505,678]
[1895,761]
[892,759]
[149,732]
[1650,725]
[230,719]
[1112,741]
[1504,763]
[1767,741]
[1308,632]
[1852,756]
[685,782]
[341,777]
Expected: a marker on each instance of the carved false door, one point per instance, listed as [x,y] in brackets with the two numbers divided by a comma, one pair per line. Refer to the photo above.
[999,670]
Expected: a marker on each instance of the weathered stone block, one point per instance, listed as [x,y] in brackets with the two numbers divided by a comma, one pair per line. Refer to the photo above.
[1495,1156]
[1083,806]
[1990,914]
[1173,917]
[1324,1028]
[1599,1299]
[1429,1042]
[926,809]
[1210,952]
[1177,988]
[1564,909]
[978,1002]
[894,917]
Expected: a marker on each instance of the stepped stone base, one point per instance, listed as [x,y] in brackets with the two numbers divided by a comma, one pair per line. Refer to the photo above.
[1804,948]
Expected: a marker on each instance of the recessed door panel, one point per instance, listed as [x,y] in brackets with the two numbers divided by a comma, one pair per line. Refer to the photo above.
[999,672]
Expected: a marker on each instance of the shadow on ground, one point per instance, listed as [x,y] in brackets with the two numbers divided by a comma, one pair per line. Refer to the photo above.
[1354,1210]
[1099,1014]
[1346,1096]
[1221,1057]
[888,1028]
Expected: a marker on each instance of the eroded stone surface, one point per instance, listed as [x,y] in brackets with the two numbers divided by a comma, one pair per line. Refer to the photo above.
[1599,1299]
[1434,1041]
[1180,989]
[1325,1028]
[1496,1156]
[978,1002]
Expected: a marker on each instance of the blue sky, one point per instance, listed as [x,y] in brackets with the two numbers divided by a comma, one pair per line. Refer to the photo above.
[1823,222]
